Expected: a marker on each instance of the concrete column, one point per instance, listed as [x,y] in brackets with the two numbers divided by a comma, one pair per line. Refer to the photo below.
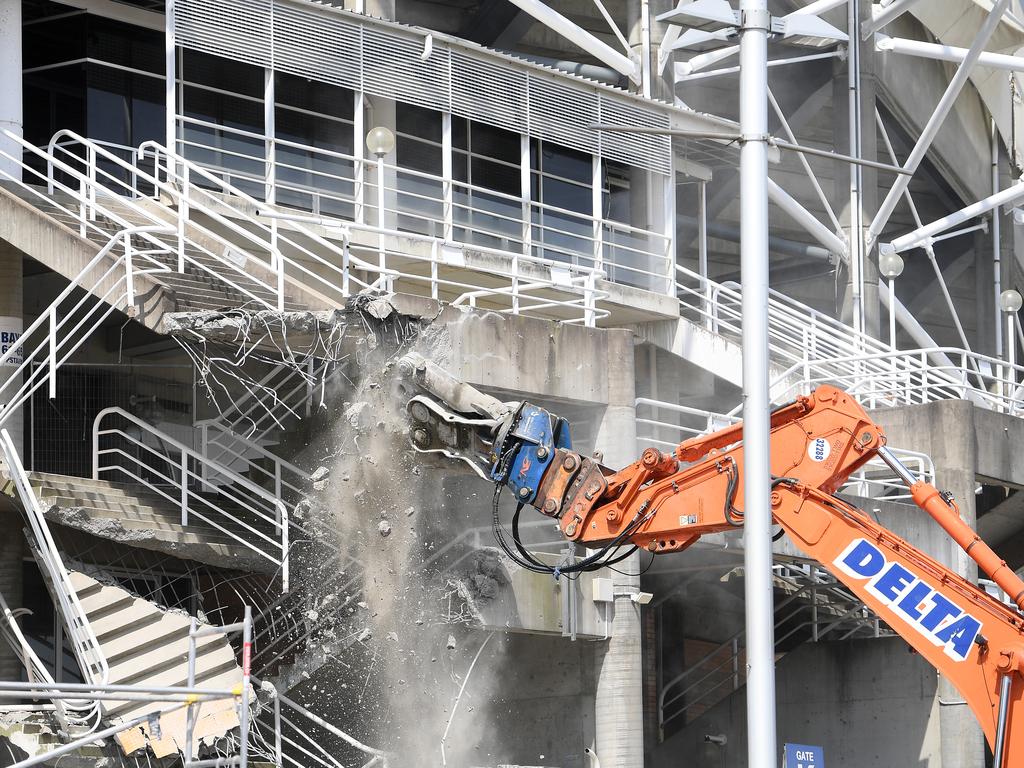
[618,663]
[11,117]
[869,177]
[945,430]
[11,583]
[11,326]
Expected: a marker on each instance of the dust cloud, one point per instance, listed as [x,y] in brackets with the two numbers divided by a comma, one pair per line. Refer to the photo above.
[399,636]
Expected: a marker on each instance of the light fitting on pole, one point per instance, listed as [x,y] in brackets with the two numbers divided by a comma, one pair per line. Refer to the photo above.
[1010,301]
[890,264]
[380,141]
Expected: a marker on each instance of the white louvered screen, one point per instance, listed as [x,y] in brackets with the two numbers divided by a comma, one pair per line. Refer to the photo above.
[389,60]
[234,29]
[637,149]
[393,66]
[563,114]
[488,92]
[329,49]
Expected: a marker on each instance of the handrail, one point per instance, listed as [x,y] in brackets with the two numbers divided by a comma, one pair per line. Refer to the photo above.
[90,190]
[86,647]
[377,756]
[36,671]
[186,458]
[818,589]
[823,349]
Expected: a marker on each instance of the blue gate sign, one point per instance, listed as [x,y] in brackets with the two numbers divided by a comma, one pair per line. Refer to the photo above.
[804,756]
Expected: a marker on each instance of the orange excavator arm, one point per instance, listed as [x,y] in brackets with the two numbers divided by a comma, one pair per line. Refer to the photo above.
[666,502]
[974,640]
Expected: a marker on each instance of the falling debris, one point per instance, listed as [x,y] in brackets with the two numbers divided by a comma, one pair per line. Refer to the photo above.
[451,642]
[384,528]
[319,478]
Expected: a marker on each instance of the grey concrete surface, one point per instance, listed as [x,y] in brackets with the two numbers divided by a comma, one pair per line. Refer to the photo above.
[869,703]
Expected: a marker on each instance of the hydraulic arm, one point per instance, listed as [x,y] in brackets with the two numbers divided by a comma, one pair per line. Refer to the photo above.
[664,502]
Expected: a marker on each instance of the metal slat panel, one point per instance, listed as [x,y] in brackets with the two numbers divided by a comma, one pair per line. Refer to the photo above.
[321,47]
[562,114]
[489,93]
[637,149]
[393,66]
[235,29]
[345,50]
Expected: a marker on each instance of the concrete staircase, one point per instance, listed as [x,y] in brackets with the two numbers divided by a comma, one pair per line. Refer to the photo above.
[198,288]
[141,517]
[147,646]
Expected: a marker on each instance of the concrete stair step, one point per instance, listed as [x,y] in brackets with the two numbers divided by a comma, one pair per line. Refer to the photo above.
[148,646]
[153,655]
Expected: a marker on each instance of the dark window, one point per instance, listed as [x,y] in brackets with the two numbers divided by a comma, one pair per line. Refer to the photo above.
[125,44]
[222,74]
[54,40]
[312,96]
[311,116]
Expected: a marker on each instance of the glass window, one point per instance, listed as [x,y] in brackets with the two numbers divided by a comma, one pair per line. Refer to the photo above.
[486,158]
[125,44]
[562,218]
[420,192]
[52,41]
[222,74]
[311,116]
[312,96]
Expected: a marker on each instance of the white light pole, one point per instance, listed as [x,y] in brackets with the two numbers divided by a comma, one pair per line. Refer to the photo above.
[755,23]
[1010,302]
[891,266]
[380,141]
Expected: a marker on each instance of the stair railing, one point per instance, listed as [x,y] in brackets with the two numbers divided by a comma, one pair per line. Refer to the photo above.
[101,202]
[194,190]
[248,514]
[69,713]
[68,322]
[272,403]
[91,659]
[831,607]
[292,728]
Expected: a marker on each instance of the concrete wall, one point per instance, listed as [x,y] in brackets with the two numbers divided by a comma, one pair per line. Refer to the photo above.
[867,702]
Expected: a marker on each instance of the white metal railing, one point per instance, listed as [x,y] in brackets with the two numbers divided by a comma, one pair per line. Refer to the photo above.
[664,425]
[243,243]
[86,647]
[819,349]
[285,394]
[339,185]
[97,186]
[291,736]
[912,376]
[405,258]
[69,320]
[815,606]
[245,512]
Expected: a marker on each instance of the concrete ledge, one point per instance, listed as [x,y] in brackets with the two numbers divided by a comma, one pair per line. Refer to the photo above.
[63,250]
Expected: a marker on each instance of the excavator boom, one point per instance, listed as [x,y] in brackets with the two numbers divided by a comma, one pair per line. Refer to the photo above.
[665,502]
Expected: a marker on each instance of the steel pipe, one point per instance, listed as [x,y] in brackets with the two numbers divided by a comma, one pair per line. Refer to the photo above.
[755,23]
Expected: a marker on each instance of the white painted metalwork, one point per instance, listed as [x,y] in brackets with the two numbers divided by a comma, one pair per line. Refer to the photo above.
[480,218]
[384,59]
[935,121]
[819,349]
[143,455]
[91,659]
